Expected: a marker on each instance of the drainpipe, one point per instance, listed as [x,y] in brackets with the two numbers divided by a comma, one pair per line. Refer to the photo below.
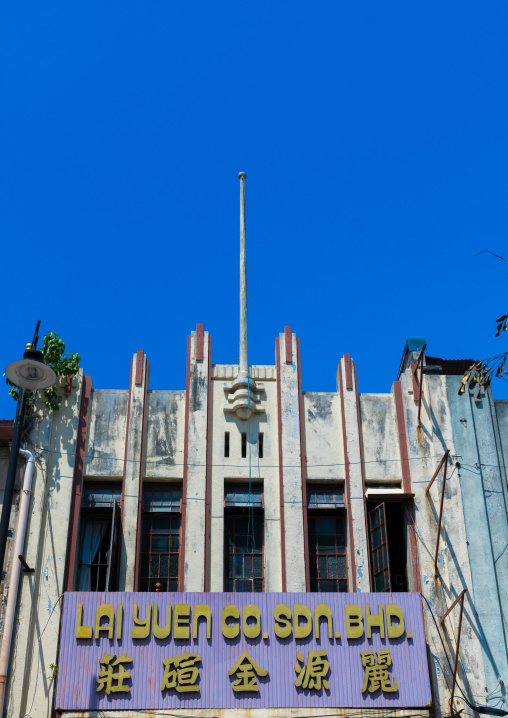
[12,597]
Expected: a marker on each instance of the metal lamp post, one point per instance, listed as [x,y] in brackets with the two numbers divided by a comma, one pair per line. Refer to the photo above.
[30,374]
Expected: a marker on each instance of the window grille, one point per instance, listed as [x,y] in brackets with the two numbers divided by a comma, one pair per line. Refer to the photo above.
[161,499]
[244,559]
[327,553]
[160,538]
[239,495]
[325,498]
[101,495]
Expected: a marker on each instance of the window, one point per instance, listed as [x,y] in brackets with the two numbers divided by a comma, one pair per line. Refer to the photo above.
[261,445]
[243,538]
[160,538]
[99,537]
[244,445]
[242,495]
[226,444]
[387,525]
[327,539]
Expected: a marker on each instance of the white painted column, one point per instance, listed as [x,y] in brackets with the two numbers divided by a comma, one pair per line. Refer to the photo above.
[194,569]
[291,460]
[359,561]
[134,439]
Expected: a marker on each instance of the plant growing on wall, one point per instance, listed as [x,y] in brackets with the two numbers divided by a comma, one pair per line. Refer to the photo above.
[53,349]
[481,372]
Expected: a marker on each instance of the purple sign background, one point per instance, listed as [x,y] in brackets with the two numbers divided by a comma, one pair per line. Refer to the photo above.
[79,658]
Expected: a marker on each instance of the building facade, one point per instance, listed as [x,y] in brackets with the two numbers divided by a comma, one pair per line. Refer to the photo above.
[244,484]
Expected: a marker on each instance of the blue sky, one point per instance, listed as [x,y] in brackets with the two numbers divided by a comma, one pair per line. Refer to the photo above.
[374,139]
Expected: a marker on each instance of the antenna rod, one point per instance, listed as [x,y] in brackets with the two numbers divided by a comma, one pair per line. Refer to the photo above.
[244,364]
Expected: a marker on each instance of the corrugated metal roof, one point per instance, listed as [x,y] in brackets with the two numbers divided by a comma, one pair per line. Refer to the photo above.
[450,366]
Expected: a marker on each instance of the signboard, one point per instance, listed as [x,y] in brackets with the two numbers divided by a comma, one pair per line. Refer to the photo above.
[242,650]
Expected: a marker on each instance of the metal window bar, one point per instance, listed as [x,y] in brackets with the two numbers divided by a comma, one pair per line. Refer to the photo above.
[239,495]
[160,552]
[319,497]
[162,498]
[101,495]
[380,556]
[244,552]
[327,553]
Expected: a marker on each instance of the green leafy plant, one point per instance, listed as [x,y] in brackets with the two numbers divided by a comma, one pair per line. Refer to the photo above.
[53,349]
[481,372]
[54,670]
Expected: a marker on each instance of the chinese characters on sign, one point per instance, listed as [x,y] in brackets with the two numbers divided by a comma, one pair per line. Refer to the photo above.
[180,672]
[107,678]
[313,674]
[244,668]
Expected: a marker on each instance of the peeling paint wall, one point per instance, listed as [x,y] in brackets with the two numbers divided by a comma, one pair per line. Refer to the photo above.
[380,439]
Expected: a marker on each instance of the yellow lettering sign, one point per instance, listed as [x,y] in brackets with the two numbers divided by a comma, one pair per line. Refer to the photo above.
[141,628]
[323,611]
[82,631]
[230,630]
[282,616]
[375,620]
[181,629]
[254,629]
[202,611]
[392,611]
[301,611]
[105,610]
[161,631]
[354,621]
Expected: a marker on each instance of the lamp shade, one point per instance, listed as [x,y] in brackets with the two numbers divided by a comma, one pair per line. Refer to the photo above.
[30,373]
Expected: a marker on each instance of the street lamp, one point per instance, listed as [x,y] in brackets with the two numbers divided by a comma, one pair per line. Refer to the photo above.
[30,374]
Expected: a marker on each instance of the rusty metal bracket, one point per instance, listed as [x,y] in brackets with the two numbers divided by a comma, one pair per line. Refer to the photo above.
[445,458]
[419,384]
[460,598]
[443,462]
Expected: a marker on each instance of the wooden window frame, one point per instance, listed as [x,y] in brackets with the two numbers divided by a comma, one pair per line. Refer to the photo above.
[108,511]
[313,551]
[242,489]
[151,512]
[239,512]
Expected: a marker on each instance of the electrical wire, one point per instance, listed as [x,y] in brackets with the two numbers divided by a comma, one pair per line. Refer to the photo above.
[93,457]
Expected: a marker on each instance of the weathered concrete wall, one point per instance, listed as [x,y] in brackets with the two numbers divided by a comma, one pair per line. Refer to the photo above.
[324,449]
[380,438]
[441,584]
[165,424]
[486,531]
[105,443]
[291,461]
[196,472]
[35,646]
[359,561]
[131,476]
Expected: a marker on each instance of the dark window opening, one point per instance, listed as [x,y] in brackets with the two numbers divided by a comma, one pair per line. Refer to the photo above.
[244,445]
[261,445]
[327,552]
[388,546]
[226,444]
[99,542]
[243,550]
[160,538]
